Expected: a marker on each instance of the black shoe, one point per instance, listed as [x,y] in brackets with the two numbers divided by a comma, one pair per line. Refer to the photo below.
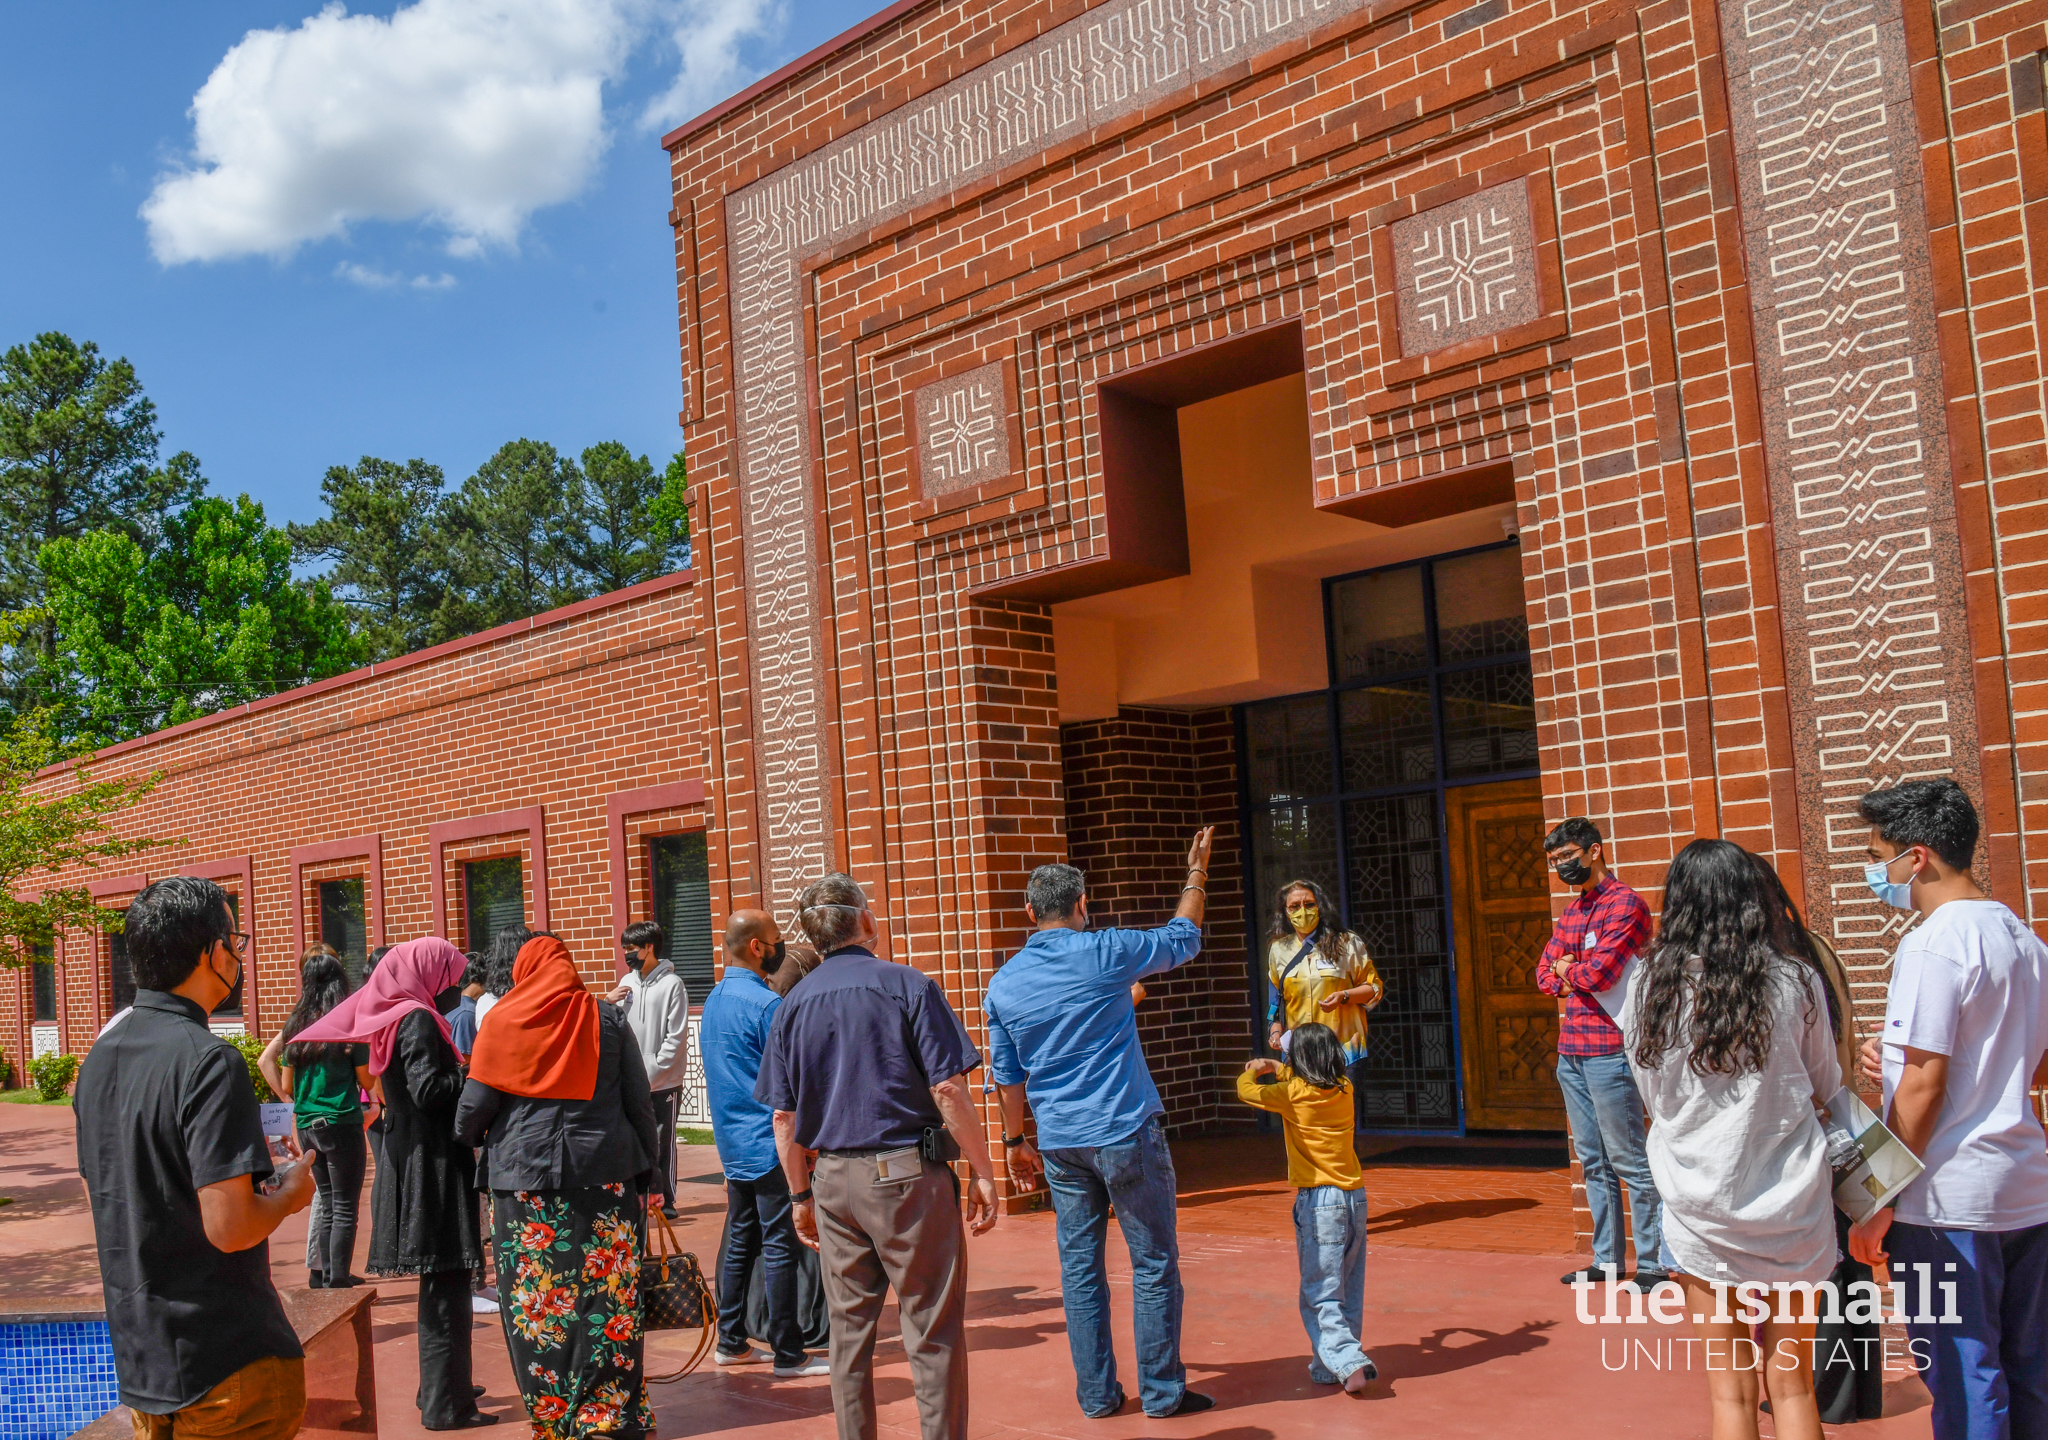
[1191,1403]
[1112,1408]
[316,1279]
[346,1282]
[476,1419]
[1649,1277]
[476,1392]
[1593,1275]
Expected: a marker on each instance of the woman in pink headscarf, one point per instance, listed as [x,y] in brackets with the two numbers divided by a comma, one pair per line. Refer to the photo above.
[424,1205]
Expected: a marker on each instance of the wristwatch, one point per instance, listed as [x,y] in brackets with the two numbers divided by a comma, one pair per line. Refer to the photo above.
[800,1197]
[1011,1142]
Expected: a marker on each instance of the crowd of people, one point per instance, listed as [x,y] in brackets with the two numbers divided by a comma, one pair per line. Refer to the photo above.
[524,1125]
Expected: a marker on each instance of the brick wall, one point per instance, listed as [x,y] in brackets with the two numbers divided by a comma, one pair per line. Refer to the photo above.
[1137,788]
[559,712]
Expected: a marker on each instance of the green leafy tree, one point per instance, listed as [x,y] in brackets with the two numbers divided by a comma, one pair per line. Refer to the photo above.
[510,529]
[621,531]
[78,453]
[671,508]
[50,823]
[207,618]
[385,533]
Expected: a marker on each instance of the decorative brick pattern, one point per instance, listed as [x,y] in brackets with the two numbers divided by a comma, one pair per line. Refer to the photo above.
[1854,430]
[1466,270]
[963,431]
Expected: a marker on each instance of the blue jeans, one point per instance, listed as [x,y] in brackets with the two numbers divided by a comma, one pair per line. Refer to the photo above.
[1988,1374]
[1136,1175]
[1607,1131]
[1329,1237]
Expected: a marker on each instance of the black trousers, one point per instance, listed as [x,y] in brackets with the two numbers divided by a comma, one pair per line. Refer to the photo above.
[338,1176]
[666,1103]
[757,1223]
[444,1331]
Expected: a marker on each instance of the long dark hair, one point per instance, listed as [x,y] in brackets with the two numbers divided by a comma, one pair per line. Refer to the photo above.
[1317,1056]
[1280,928]
[1790,935]
[1716,910]
[503,954]
[323,984]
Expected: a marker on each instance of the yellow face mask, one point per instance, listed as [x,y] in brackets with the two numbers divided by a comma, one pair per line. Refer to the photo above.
[1304,919]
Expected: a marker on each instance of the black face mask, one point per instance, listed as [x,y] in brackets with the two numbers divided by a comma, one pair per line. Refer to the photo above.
[448,999]
[1574,872]
[774,960]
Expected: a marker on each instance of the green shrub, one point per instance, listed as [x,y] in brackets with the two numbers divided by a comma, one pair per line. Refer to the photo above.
[52,1074]
[251,1048]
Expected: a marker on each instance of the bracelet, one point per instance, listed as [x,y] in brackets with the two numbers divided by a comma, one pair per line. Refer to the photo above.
[803,1198]
[1011,1142]
[1185,888]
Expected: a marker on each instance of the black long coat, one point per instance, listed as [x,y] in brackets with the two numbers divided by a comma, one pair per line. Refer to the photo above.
[424,1206]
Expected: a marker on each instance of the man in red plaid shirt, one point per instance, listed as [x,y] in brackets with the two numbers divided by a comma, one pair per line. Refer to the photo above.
[1603,928]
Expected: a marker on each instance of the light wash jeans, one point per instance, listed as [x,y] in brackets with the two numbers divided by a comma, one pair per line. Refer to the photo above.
[1135,1175]
[1329,1236]
[1607,1131]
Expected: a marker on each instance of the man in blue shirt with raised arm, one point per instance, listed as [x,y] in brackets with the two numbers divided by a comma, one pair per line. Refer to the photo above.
[1063,1033]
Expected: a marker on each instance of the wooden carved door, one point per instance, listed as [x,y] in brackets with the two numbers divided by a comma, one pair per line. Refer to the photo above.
[1501,913]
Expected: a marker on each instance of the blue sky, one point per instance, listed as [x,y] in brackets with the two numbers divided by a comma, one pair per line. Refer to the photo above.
[396,230]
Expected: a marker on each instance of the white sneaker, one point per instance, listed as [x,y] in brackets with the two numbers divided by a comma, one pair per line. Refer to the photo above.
[482,1305]
[813,1365]
[748,1356]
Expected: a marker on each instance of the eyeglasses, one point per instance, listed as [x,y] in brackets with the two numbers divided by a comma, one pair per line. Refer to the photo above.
[1300,905]
[1564,857]
[238,940]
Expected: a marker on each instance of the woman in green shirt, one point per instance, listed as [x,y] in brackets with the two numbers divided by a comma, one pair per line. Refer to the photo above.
[326,1082]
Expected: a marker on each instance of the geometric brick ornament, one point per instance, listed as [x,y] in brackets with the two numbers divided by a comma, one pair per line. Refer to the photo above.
[963,431]
[1466,270]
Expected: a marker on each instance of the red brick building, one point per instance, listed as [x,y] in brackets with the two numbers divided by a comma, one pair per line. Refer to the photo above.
[1379,430]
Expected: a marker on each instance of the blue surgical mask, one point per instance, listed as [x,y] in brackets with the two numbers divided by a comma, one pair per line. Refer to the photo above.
[1898,895]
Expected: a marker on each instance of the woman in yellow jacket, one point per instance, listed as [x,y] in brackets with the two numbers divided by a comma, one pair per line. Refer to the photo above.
[1318,972]
[1314,1101]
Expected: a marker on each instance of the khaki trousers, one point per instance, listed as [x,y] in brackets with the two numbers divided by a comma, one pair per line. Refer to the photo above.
[264,1400]
[906,1233]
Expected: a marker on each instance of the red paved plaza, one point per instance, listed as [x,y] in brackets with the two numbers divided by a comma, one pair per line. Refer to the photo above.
[1464,1315]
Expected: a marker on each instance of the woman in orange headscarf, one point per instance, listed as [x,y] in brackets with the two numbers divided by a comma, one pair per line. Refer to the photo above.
[558,1098]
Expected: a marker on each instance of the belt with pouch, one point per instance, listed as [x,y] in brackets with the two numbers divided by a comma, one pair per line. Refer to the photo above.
[906,1162]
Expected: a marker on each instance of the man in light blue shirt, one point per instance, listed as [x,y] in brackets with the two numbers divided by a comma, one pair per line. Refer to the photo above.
[1063,1034]
[732,1031]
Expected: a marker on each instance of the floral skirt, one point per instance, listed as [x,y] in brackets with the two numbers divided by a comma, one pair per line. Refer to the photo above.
[569,1285]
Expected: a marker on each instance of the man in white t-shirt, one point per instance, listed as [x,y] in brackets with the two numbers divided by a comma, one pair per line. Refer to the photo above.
[1965,1029]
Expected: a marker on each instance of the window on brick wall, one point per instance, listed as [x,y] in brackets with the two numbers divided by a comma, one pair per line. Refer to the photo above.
[680,869]
[43,981]
[343,924]
[231,1007]
[119,972]
[494,897]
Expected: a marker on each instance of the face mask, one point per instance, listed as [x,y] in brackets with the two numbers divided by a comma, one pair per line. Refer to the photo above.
[1574,872]
[1305,919]
[238,975]
[448,999]
[774,960]
[1877,874]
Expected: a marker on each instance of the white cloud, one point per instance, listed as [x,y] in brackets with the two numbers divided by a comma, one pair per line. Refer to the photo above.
[469,114]
[708,36]
[371,278]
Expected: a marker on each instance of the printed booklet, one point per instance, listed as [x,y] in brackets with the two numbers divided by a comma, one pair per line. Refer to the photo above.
[1871,1164]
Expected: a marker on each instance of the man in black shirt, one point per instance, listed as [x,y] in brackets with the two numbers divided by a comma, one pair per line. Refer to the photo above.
[865,1060]
[170,1143]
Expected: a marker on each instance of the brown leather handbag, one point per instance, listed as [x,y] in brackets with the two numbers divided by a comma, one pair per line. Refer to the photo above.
[674,1294]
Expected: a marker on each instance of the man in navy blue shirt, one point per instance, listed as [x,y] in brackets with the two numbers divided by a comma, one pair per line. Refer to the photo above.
[732,1032]
[1063,1033]
[867,1065]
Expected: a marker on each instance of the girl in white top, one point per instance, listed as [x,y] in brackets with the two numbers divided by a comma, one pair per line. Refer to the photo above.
[1731,1049]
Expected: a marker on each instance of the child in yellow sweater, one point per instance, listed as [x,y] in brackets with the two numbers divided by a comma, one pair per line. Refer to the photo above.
[1315,1104]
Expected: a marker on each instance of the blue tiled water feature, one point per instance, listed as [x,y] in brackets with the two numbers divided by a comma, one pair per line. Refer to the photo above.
[55,1378]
